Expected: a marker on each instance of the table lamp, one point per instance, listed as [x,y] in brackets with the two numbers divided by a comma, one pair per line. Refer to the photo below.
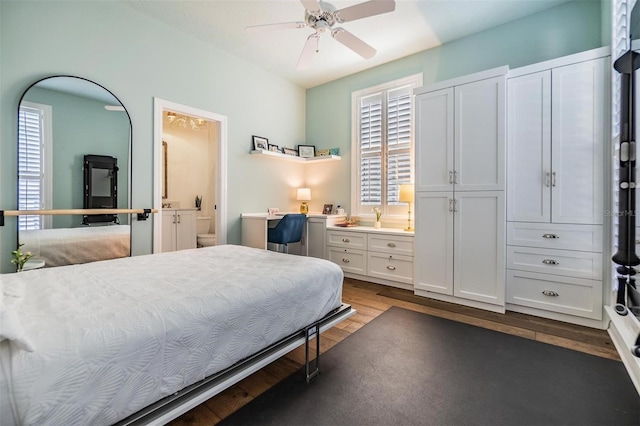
[406,196]
[304,195]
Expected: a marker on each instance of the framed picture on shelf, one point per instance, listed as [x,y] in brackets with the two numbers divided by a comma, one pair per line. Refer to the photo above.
[327,209]
[322,153]
[260,143]
[274,148]
[307,151]
[290,151]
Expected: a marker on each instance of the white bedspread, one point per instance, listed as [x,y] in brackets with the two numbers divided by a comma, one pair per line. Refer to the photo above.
[70,246]
[112,337]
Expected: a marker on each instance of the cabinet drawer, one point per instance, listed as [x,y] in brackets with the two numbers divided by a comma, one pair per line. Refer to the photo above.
[580,264]
[356,240]
[572,296]
[354,261]
[555,236]
[391,267]
[391,244]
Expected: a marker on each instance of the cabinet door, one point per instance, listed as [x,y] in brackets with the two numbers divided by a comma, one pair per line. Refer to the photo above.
[186,229]
[579,103]
[316,229]
[434,141]
[480,135]
[433,242]
[529,148]
[479,245]
[168,230]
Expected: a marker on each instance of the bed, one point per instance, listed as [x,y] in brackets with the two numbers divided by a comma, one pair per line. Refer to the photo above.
[95,343]
[70,246]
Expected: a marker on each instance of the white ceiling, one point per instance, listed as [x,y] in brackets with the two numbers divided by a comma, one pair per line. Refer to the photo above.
[414,26]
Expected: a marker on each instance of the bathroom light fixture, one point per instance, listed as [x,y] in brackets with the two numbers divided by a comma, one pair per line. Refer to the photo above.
[176,120]
[407,196]
[304,195]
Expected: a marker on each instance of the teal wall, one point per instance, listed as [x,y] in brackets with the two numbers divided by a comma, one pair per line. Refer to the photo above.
[138,58]
[569,28]
[82,126]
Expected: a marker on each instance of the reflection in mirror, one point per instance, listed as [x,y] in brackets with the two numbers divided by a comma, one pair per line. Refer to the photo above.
[61,120]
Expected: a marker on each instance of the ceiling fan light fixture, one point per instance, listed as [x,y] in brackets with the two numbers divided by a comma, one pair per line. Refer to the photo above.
[321,17]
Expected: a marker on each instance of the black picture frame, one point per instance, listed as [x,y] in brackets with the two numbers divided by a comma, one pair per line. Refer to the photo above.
[327,209]
[274,148]
[260,143]
[307,151]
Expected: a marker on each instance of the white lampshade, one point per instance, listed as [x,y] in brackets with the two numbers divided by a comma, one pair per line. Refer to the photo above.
[406,193]
[304,194]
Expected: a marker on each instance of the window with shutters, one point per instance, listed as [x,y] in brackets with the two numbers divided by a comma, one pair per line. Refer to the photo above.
[34,164]
[382,146]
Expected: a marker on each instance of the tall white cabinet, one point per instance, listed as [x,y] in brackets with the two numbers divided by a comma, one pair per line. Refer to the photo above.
[460,178]
[557,126]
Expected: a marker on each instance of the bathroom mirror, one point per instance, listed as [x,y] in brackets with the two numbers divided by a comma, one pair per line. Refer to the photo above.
[62,119]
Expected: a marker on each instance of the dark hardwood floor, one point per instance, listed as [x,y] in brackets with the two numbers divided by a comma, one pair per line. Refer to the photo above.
[370,300]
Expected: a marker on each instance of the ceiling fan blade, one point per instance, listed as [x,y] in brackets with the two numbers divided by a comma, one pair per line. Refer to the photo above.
[353,43]
[310,47]
[274,27]
[363,10]
[311,5]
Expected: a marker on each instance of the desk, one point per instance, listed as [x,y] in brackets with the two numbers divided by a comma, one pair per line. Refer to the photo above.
[254,228]
[255,225]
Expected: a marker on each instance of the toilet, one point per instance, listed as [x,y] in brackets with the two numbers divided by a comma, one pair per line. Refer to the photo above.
[204,238]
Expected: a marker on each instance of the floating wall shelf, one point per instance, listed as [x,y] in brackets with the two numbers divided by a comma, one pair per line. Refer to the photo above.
[295,159]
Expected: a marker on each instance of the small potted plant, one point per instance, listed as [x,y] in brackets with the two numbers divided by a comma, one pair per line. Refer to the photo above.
[20,258]
[378,213]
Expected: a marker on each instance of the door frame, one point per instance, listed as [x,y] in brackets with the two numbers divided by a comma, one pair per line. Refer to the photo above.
[159,106]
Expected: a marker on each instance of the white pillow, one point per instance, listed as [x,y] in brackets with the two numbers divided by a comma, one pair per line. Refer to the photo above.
[10,326]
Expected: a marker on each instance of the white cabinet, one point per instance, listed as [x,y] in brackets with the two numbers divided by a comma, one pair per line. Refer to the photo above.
[460,180]
[178,229]
[557,122]
[384,256]
[317,233]
[460,134]
[556,129]
[459,245]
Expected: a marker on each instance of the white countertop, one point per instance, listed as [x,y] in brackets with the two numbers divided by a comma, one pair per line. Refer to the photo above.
[394,231]
[279,215]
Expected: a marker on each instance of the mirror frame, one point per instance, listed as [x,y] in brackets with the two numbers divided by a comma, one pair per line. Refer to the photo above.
[130,147]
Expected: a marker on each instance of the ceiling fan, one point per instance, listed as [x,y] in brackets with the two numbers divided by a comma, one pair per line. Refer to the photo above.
[322,16]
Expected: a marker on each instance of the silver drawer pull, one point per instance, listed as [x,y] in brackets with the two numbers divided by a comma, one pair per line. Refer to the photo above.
[550,293]
[550,262]
[346,240]
[391,267]
[345,260]
[550,236]
[391,244]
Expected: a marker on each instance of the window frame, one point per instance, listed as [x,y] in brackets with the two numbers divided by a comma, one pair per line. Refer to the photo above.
[46,178]
[390,213]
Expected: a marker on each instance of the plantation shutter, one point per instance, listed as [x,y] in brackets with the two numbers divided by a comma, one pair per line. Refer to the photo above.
[619,45]
[371,150]
[30,166]
[398,140]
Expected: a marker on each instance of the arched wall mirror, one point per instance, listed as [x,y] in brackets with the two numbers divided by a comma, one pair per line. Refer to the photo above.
[64,123]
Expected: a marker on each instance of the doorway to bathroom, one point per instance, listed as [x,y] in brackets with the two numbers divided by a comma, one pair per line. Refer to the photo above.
[189,173]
